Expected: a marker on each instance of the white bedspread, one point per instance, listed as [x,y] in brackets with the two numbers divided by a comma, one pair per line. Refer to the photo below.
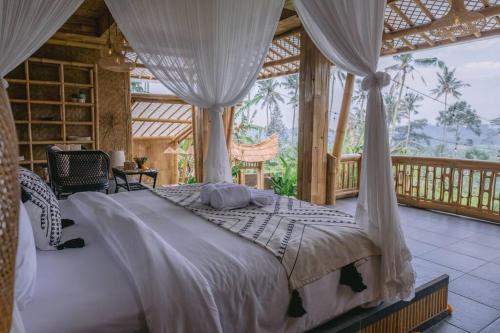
[250,289]
[175,296]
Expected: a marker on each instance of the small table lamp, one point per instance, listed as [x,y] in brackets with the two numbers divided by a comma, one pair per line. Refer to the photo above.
[117,158]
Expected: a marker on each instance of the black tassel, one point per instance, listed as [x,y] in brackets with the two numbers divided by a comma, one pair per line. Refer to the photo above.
[350,276]
[295,309]
[25,196]
[66,223]
[72,244]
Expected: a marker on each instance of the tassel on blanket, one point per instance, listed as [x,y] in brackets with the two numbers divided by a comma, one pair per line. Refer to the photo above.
[350,276]
[72,244]
[66,223]
[295,309]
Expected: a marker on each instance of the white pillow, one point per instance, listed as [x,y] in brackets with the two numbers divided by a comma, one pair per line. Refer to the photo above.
[43,210]
[25,275]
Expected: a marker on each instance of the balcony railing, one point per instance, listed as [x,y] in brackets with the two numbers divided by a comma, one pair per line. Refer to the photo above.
[464,187]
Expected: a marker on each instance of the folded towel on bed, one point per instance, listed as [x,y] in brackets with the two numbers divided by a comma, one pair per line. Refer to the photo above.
[206,191]
[230,197]
[262,198]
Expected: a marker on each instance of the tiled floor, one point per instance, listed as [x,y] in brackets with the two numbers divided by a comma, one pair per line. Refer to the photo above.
[465,249]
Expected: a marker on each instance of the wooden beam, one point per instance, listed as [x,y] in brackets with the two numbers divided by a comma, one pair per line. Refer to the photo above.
[288,24]
[343,116]
[160,120]
[486,11]
[340,133]
[424,46]
[85,41]
[197,116]
[228,127]
[152,98]
[281,61]
[313,122]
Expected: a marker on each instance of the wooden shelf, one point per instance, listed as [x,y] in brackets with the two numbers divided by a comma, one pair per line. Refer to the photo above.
[44,83]
[78,104]
[78,85]
[68,142]
[61,75]
[46,122]
[82,123]
[33,101]
[16,81]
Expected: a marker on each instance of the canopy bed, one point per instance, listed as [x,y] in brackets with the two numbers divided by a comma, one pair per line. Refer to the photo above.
[162,260]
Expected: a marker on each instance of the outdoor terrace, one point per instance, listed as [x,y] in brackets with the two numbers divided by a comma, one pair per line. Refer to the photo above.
[466,249]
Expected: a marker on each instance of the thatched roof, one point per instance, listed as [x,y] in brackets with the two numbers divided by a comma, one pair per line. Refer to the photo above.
[259,152]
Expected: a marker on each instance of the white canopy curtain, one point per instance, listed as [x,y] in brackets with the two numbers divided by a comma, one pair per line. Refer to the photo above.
[25,25]
[349,34]
[208,52]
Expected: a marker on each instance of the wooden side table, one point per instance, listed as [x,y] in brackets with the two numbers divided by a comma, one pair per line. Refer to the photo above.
[121,180]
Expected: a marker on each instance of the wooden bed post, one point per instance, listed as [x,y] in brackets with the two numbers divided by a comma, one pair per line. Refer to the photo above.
[197,120]
[339,137]
[313,122]
[228,127]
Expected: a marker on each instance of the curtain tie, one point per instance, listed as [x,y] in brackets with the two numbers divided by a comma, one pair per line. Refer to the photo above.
[378,79]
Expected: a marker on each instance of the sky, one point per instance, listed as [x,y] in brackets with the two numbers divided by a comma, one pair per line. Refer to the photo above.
[477,63]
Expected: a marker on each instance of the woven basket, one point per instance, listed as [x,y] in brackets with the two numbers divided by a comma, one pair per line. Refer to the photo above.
[9,203]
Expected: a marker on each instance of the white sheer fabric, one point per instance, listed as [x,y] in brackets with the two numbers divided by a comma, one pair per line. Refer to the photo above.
[208,52]
[349,33]
[24,26]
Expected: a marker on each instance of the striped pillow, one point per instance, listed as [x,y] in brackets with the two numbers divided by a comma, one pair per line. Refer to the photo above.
[43,210]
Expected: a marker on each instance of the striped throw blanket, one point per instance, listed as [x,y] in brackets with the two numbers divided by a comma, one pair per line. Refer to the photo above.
[310,241]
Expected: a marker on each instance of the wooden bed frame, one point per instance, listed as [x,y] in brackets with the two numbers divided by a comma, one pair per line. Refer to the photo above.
[429,306]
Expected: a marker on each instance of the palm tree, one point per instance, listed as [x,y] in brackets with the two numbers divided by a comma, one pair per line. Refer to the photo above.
[411,107]
[268,96]
[448,84]
[460,115]
[405,67]
[292,85]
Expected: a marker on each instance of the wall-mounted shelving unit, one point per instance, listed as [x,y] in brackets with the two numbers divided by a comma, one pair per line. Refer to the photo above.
[41,93]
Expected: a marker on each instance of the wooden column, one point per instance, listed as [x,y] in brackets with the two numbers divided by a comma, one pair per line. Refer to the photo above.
[228,128]
[313,122]
[333,163]
[343,117]
[198,142]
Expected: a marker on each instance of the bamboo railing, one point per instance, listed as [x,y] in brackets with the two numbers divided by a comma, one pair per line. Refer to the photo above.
[464,187]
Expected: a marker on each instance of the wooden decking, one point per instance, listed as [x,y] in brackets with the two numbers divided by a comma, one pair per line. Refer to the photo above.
[468,251]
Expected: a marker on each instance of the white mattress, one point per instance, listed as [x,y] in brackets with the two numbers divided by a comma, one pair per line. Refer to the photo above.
[84,290]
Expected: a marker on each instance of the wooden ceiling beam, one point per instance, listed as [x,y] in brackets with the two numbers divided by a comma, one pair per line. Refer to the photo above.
[423,46]
[152,98]
[164,121]
[288,24]
[281,61]
[486,11]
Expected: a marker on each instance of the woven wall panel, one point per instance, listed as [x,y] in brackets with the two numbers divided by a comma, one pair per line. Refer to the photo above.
[9,203]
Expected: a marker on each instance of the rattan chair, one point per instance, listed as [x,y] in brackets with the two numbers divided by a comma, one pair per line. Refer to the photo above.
[77,171]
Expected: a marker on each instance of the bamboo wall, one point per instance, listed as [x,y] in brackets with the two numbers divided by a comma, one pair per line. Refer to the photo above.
[166,164]
[113,93]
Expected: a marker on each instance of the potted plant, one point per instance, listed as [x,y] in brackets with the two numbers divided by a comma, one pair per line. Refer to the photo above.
[140,161]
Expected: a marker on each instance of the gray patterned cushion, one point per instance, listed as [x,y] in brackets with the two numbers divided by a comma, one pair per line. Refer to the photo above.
[43,210]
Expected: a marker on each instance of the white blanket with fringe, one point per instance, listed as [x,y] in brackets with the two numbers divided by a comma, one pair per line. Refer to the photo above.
[310,241]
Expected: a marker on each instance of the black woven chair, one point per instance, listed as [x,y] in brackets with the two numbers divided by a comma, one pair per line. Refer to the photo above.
[78,171]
